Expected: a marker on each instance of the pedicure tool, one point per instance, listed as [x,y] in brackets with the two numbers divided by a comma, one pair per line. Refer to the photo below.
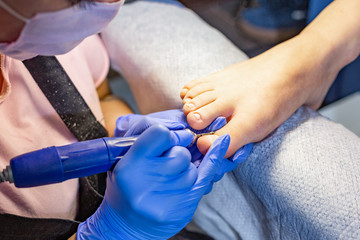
[57,164]
[197,136]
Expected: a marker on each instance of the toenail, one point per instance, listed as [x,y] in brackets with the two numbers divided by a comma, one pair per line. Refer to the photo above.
[190,105]
[196,116]
[186,100]
[184,91]
[211,138]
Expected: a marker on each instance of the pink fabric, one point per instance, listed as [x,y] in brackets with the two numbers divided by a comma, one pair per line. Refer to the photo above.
[28,122]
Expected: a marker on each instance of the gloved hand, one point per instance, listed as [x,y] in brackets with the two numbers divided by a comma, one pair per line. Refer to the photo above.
[154,190]
[134,124]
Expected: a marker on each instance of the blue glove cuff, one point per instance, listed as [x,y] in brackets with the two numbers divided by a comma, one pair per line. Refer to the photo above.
[105,223]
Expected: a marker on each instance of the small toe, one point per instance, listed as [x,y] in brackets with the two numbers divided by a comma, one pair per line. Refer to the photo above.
[197,90]
[183,92]
[202,117]
[199,101]
[189,86]
[193,83]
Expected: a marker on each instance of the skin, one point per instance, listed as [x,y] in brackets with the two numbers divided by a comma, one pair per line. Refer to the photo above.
[1,77]
[111,106]
[11,27]
[261,93]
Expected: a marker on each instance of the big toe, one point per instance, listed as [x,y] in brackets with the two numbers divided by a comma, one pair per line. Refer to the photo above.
[238,134]
[204,143]
[238,137]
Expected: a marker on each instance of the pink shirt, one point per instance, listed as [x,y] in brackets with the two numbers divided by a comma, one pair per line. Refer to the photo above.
[28,122]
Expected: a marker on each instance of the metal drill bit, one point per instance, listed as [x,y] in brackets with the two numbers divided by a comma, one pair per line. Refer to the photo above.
[196,136]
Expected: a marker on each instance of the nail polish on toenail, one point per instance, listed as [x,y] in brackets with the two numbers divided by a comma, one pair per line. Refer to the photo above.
[189,105]
[196,116]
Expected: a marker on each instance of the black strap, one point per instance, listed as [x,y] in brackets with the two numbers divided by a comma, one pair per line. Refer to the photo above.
[77,116]
[65,98]
[13,227]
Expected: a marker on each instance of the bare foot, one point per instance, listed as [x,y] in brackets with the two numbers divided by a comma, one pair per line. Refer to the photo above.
[256,96]
[228,94]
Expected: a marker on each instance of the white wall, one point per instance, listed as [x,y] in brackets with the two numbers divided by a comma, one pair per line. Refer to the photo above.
[345,111]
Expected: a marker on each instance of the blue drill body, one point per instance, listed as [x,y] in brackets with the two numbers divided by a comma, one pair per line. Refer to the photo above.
[58,164]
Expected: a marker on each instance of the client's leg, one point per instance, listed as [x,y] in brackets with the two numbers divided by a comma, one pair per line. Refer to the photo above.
[347,81]
[302,182]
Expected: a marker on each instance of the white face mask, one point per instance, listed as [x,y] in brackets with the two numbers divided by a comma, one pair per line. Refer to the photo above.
[58,32]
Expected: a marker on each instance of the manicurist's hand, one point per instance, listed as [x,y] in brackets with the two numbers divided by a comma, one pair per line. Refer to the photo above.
[153,191]
[134,124]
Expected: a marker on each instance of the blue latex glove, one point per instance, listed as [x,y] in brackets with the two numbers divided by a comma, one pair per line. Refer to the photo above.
[154,190]
[134,124]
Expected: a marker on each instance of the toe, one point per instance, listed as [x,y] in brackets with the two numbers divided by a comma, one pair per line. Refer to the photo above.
[199,101]
[202,117]
[237,139]
[197,90]
[183,92]
[193,83]
[189,86]
[205,142]
[239,134]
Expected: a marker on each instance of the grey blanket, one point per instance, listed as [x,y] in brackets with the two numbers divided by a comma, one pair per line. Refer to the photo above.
[302,182]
